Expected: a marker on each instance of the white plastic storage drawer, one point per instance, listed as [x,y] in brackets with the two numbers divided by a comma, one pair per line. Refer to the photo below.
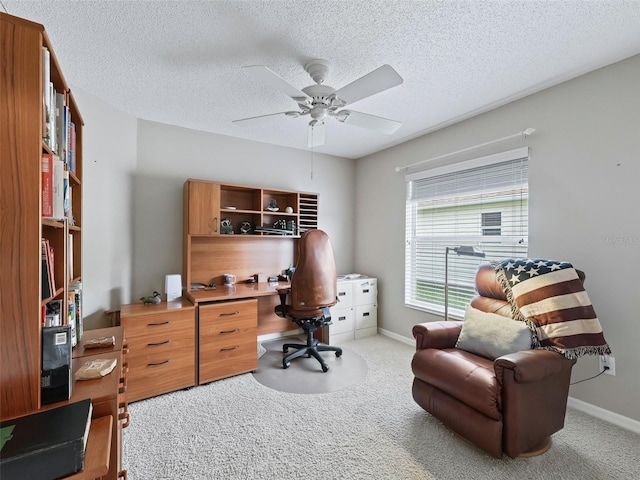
[366,291]
[345,295]
[341,320]
[366,316]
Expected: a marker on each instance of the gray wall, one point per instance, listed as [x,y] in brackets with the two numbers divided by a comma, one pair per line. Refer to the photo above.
[584,199]
[168,155]
[109,153]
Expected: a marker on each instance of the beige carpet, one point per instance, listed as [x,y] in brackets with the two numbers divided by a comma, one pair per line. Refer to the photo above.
[305,375]
[238,429]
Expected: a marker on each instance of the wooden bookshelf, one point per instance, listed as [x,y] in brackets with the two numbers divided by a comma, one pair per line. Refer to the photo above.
[22,131]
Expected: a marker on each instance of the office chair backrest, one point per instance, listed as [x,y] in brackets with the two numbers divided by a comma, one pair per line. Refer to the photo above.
[314,283]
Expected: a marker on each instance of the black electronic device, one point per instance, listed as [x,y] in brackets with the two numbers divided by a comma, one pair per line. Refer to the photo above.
[56,379]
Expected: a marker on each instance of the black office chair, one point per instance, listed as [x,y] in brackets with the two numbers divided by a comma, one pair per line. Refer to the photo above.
[313,290]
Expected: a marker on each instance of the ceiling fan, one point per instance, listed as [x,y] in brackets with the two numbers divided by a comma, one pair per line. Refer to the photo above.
[320,101]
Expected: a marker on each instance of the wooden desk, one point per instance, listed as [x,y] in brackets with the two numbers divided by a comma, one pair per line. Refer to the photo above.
[98,450]
[266,293]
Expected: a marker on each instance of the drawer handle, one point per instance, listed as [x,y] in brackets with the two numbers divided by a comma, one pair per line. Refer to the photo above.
[226,332]
[365,290]
[230,314]
[158,324]
[342,294]
[126,417]
[230,348]
[158,343]
[341,318]
[365,314]
[158,363]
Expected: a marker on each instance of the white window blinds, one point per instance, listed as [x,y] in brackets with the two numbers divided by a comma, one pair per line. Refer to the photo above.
[481,203]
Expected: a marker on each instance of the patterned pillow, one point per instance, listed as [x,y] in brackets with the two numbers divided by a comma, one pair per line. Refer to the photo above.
[490,335]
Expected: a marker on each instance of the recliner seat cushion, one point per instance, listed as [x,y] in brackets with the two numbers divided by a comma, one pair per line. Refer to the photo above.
[468,377]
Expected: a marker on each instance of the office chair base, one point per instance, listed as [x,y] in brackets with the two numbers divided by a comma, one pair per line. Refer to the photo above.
[311,349]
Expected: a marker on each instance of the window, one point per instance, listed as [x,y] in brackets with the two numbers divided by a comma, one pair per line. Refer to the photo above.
[491,222]
[481,203]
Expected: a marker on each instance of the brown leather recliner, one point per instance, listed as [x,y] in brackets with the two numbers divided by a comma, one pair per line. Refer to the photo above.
[512,404]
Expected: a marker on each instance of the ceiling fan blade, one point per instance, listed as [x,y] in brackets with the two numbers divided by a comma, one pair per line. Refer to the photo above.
[273,80]
[316,135]
[359,119]
[380,79]
[259,117]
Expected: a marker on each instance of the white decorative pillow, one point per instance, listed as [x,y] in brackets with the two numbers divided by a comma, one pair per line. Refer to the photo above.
[491,335]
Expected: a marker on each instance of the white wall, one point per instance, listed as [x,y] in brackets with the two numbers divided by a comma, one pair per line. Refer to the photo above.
[584,200]
[109,153]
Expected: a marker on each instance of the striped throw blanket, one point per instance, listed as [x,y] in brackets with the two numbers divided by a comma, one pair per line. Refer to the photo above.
[549,296]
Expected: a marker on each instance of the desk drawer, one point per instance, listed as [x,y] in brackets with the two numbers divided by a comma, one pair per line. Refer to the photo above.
[164,340]
[220,360]
[144,328]
[160,372]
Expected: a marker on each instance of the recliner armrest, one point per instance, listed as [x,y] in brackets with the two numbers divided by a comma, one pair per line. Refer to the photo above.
[531,365]
[436,334]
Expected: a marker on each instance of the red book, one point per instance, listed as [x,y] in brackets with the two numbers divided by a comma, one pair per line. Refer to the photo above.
[47,184]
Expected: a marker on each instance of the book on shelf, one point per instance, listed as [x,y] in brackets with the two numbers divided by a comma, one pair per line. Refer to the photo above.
[45,445]
[53,140]
[71,310]
[76,290]
[66,205]
[71,149]
[61,130]
[47,184]
[46,288]
[58,188]
[46,94]
[48,277]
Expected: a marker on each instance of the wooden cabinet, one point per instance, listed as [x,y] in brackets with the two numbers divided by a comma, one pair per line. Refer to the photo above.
[202,208]
[212,208]
[24,49]
[228,339]
[162,347]
[107,393]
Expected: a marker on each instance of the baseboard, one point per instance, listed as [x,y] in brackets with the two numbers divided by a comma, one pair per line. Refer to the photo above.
[606,415]
[598,412]
[395,336]
[274,336]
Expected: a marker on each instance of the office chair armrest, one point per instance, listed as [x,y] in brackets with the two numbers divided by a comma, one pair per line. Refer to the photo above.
[436,334]
[281,310]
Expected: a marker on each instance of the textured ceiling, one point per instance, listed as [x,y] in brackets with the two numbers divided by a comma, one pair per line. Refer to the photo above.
[179,62]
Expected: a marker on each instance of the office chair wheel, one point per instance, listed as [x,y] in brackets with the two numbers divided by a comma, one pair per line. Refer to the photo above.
[325,368]
[286,364]
[338,354]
